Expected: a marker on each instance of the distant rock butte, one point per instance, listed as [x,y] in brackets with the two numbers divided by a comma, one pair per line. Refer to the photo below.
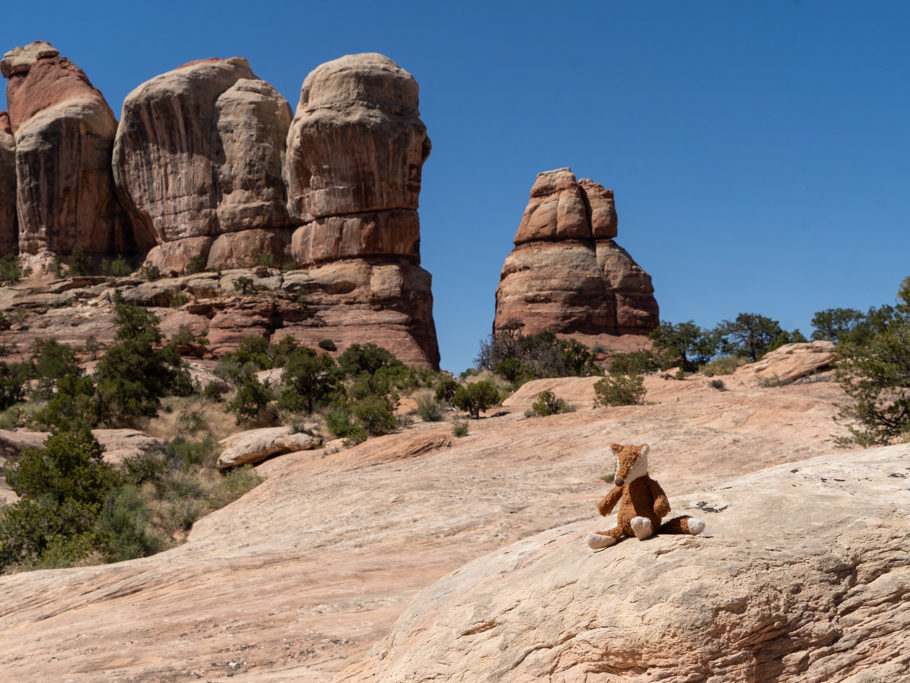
[566,274]
[198,157]
[63,130]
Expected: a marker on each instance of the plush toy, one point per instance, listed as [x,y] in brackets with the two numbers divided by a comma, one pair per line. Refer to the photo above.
[642,503]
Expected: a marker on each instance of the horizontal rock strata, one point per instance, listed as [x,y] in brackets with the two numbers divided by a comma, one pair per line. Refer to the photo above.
[566,273]
[198,155]
[64,131]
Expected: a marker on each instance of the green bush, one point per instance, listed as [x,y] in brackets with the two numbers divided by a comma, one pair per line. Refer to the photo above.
[360,359]
[116,268]
[725,365]
[518,357]
[197,264]
[548,403]
[718,384]
[459,428]
[641,362]
[686,344]
[445,390]
[327,345]
[619,390]
[12,389]
[251,402]
[374,414]
[476,398]
[309,380]
[79,263]
[342,424]
[150,273]
[10,273]
[244,285]
[429,409]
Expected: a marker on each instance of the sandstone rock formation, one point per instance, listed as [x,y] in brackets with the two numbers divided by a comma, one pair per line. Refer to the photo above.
[566,274]
[255,445]
[64,131]
[792,581]
[198,157]
[355,151]
[791,362]
[9,230]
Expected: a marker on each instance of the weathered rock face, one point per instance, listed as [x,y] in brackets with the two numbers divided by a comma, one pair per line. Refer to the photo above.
[356,147]
[9,230]
[64,131]
[789,582]
[355,150]
[566,273]
[198,154]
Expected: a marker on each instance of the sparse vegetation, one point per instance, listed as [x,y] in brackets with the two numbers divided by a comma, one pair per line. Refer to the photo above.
[459,428]
[476,397]
[619,390]
[718,384]
[10,272]
[548,403]
[519,358]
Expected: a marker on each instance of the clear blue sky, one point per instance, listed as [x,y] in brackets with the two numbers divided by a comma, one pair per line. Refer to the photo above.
[760,151]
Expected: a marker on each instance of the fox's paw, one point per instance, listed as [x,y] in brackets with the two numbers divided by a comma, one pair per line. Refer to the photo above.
[642,527]
[696,525]
[598,541]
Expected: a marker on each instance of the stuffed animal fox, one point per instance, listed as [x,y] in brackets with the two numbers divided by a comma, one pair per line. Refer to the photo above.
[642,502]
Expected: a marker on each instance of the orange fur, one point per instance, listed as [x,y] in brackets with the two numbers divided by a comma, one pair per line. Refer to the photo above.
[639,497]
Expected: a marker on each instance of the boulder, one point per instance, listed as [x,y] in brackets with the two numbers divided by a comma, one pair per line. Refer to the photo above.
[356,143]
[792,580]
[566,274]
[9,230]
[64,131]
[199,151]
[255,445]
[791,362]
[179,257]
[249,248]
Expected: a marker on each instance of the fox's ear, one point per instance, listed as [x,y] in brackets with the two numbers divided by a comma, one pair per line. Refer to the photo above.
[616,447]
[645,449]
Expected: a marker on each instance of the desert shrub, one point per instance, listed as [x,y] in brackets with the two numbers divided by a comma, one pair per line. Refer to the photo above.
[79,263]
[375,414]
[116,268]
[12,389]
[72,404]
[234,484]
[749,335]
[136,372]
[640,362]
[518,357]
[476,398]
[429,409]
[327,345]
[52,361]
[251,402]
[459,428]
[343,425]
[244,285]
[213,392]
[548,403]
[359,359]
[150,273]
[197,264]
[125,524]
[309,380]
[62,488]
[445,390]
[10,272]
[725,365]
[685,344]
[619,390]
[718,384]
[266,259]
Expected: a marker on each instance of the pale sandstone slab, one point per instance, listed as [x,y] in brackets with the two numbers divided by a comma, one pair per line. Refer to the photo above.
[255,445]
[791,362]
[788,582]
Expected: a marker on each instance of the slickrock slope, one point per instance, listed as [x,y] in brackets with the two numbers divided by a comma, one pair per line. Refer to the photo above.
[566,274]
[345,301]
[198,162]
[801,574]
[300,577]
[9,230]
[64,131]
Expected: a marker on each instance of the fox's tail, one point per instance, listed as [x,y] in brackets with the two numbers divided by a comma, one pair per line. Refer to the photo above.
[682,525]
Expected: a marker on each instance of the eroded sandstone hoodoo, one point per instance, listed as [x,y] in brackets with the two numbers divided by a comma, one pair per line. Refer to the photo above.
[63,132]
[9,231]
[198,162]
[567,274]
[355,151]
